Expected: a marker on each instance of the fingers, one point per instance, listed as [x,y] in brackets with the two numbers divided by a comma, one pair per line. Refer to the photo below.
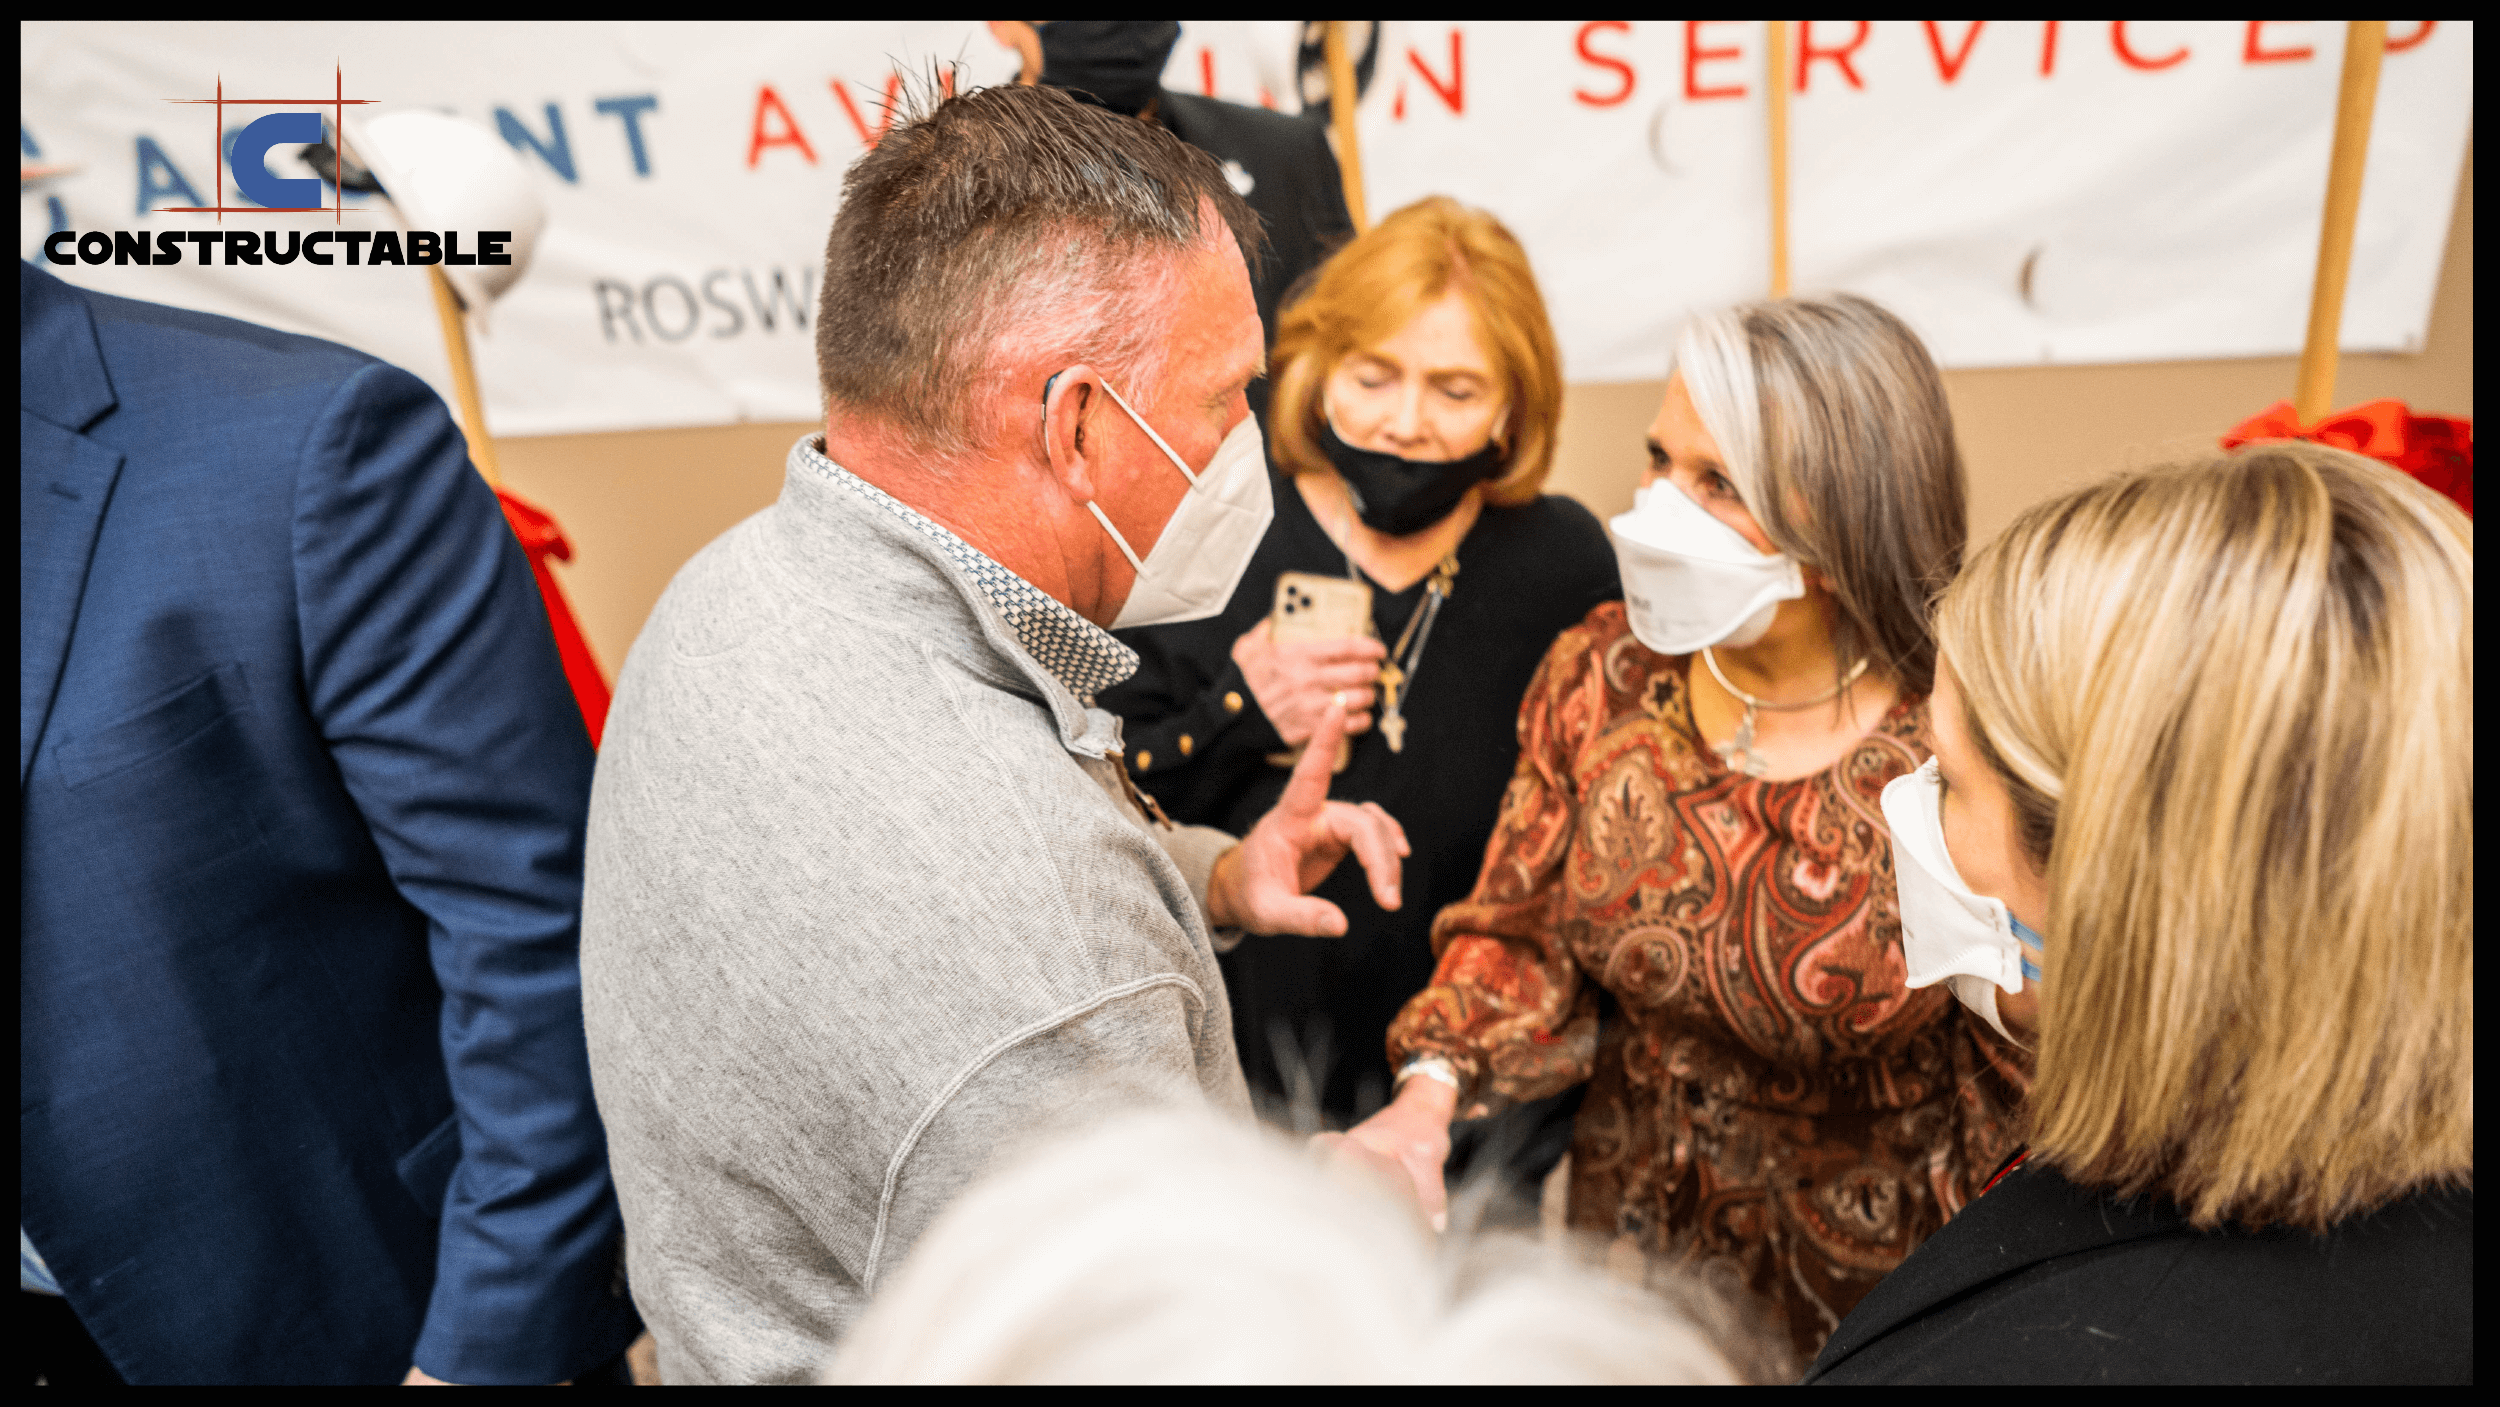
[1355,649]
[1309,917]
[1394,828]
[1357,675]
[1430,1190]
[1383,1170]
[1307,789]
[1356,696]
[1377,841]
[1295,737]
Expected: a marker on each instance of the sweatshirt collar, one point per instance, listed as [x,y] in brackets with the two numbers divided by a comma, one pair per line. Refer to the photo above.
[1077,652]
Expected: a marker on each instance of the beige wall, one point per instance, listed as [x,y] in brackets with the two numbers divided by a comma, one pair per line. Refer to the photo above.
[637,504]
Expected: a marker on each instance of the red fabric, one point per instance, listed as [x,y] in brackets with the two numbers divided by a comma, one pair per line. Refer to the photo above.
[542,539]
[2436,449]
[2010,1164]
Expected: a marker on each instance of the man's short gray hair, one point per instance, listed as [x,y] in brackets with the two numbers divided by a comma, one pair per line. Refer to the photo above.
[1001,225]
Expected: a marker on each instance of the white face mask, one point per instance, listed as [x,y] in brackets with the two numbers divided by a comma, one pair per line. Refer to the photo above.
[1208,542]
[1948,933]
[1690,580]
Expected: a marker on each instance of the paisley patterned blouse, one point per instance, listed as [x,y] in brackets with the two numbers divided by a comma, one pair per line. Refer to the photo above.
[1720,958]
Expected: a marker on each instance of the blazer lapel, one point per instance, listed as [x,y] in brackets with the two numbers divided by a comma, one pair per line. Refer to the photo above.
[64,481]
[2032,1216]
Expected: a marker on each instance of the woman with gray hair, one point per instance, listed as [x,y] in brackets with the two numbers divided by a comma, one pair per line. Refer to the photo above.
[1688,902]
[1169,1245]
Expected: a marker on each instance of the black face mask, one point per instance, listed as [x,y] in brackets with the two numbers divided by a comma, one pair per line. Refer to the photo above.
[1400,496]
[1117,64]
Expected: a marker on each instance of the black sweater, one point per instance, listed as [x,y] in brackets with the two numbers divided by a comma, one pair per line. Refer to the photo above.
[1525,575]
[2042,1281]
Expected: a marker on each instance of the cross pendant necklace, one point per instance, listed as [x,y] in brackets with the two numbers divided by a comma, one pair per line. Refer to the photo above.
[1399,669]
[1403,661]
[1737,752]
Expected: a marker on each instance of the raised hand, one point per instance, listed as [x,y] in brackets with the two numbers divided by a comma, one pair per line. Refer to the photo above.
[1264,883]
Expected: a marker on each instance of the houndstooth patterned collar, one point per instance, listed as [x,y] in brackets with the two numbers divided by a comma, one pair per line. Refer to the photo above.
[1077,652]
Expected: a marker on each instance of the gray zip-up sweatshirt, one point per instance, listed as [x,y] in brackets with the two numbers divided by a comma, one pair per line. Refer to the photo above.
[865,898]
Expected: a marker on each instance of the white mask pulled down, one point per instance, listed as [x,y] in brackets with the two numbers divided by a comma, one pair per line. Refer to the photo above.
[1948,932]
[1190,572]
[1691,581]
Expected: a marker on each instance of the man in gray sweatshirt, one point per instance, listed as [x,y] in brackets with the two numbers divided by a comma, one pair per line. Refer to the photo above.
[868,892]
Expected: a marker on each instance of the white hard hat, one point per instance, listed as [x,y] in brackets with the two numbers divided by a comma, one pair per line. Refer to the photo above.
[444,174]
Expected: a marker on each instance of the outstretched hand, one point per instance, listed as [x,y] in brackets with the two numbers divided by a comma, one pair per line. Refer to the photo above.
[1411,1135]
[1264,884]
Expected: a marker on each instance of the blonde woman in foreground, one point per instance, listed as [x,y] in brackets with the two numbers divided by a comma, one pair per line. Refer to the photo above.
[2208,731]
[1173,1246]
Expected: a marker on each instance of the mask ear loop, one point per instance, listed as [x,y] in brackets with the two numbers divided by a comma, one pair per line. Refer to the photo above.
[1090,505]
[1125,550]
[2031,941]
[1177,461]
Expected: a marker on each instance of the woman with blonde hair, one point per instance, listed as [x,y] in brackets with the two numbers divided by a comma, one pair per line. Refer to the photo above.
[2207,732]
[1416,392]
[1688,902]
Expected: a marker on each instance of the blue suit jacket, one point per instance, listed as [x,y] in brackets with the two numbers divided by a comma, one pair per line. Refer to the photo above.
[303,1089]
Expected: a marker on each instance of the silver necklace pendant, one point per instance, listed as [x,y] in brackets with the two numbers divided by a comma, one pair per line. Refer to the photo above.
[1737,752]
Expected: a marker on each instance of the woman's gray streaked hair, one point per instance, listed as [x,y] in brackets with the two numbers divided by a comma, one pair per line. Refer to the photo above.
[1832,422]
[1174,1246]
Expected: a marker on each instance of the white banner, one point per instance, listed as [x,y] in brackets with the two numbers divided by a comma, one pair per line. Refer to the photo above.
[2021,191]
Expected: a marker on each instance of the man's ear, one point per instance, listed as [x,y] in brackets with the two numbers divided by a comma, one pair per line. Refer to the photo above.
[1069,402]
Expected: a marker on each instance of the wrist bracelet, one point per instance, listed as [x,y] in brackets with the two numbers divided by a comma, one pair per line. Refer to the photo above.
[1431,1067]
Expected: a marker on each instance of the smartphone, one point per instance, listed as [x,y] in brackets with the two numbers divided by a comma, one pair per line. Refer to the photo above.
[1314,607]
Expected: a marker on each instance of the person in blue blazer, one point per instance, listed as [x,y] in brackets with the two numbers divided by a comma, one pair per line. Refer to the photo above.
[303,1095]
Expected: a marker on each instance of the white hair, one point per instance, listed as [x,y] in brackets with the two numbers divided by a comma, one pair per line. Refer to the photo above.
[1715,356]
[1171,1246]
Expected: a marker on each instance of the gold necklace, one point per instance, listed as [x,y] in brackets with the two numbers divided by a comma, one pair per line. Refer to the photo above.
[1737,752]
[1397,672]
[1408,656]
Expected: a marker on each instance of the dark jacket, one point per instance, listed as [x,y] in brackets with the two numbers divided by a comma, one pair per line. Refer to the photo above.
[1292,182]
[303,1095]
[2042,1281]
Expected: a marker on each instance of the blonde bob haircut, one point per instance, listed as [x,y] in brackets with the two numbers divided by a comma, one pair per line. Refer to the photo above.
[2235,700]
[1831,421]
[1376,284]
